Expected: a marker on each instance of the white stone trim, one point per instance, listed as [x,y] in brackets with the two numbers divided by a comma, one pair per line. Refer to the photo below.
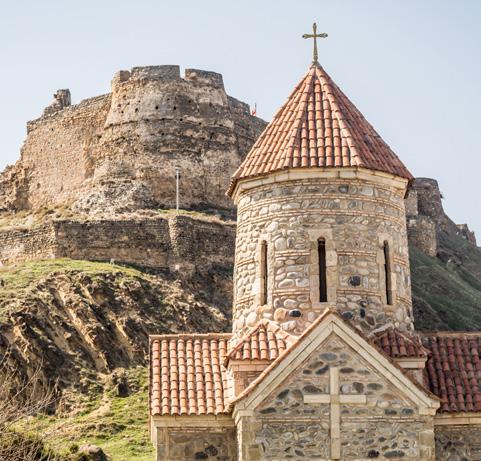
[296,174]
[192,421]
[458,419]
[410,363]
[258,286]
[335,400]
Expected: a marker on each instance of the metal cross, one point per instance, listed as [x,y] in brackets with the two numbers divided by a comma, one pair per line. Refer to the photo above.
[315,36]
[335,400]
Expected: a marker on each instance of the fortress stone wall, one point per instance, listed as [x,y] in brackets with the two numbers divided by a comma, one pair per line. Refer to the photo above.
[426,219]
[177,243]
[119,151]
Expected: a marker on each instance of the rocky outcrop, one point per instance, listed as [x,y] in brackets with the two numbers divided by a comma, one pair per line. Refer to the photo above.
[73,321]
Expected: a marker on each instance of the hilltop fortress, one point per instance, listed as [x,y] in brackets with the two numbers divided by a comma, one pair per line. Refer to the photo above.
[118,152]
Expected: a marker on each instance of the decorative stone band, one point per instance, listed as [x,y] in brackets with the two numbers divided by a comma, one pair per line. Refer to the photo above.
[458,419]
[293,174]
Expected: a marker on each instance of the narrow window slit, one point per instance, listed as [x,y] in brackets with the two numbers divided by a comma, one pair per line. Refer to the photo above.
[264,273]
[387,273]
[321,250]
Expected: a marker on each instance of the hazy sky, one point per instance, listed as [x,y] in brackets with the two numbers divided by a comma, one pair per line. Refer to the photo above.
[413,67]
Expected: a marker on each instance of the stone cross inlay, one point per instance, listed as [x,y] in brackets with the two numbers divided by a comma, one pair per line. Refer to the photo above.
[315,36]
[335,399]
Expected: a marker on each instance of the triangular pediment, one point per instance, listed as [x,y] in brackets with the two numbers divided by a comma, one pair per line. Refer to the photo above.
[328,330]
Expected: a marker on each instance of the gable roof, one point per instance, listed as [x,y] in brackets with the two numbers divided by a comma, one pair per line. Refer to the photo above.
[265,341]
[321,328]
[187,375]
[453,370]
[318,126]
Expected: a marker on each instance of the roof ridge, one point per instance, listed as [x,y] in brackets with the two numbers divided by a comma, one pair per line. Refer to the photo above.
[445,334]
[190,335]
[306,332]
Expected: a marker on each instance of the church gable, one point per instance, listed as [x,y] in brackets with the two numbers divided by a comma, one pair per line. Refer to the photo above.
[371,418]
[333,400]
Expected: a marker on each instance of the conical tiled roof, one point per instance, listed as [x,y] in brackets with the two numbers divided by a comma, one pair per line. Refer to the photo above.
[318,127]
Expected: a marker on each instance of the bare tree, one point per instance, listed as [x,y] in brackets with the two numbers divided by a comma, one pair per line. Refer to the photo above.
[20,399]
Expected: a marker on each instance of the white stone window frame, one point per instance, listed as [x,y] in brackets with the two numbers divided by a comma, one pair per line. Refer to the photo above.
[331,268]
[259,287]
[383,238]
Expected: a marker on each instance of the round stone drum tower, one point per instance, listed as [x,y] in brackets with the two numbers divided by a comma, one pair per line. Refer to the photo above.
[321,219]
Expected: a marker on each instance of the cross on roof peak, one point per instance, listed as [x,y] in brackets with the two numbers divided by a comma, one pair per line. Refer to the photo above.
[315,36]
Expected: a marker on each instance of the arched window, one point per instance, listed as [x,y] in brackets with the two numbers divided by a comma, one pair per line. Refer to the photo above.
[264,273]
[321,251]
[387,273]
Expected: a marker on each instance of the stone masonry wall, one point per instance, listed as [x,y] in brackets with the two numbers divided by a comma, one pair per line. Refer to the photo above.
[354,217]
[388,426]
[190,444]
[119,151]
[26,244]
[422,234]
[165,242]
[458,443]
[427,222]
[58,151]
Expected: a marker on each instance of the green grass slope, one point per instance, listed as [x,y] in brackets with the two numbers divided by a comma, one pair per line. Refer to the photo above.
[118,425]
[447,294]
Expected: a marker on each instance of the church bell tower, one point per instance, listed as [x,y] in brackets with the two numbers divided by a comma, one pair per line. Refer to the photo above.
[321,218]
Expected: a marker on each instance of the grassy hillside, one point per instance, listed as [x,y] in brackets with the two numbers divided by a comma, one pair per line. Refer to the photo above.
[447,294]
[118,425]
[77,320]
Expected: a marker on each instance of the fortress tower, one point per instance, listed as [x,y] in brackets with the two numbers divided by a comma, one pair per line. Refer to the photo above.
[321,218]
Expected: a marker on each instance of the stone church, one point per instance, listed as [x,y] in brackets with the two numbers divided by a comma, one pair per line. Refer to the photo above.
[323,362]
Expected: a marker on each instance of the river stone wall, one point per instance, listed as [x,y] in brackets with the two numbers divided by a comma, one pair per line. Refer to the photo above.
[189,444]
[355,217]
[387,427]
[458,443]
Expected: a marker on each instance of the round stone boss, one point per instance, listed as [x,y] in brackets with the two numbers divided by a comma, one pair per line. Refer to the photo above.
[359,215]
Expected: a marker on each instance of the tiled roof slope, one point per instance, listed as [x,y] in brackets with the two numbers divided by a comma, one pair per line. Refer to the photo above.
[397,345]
[266,341]
[318,126]
[453,370]
[187,374]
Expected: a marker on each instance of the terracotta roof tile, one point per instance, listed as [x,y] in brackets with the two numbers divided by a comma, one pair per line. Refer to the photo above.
[453,370]
[318,126]
[398,345]
[187,375]
[266,341]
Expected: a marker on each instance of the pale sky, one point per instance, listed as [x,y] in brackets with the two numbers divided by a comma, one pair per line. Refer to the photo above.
[413,67]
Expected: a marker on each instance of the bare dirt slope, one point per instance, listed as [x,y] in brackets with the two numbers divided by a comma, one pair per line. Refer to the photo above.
[76,320]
